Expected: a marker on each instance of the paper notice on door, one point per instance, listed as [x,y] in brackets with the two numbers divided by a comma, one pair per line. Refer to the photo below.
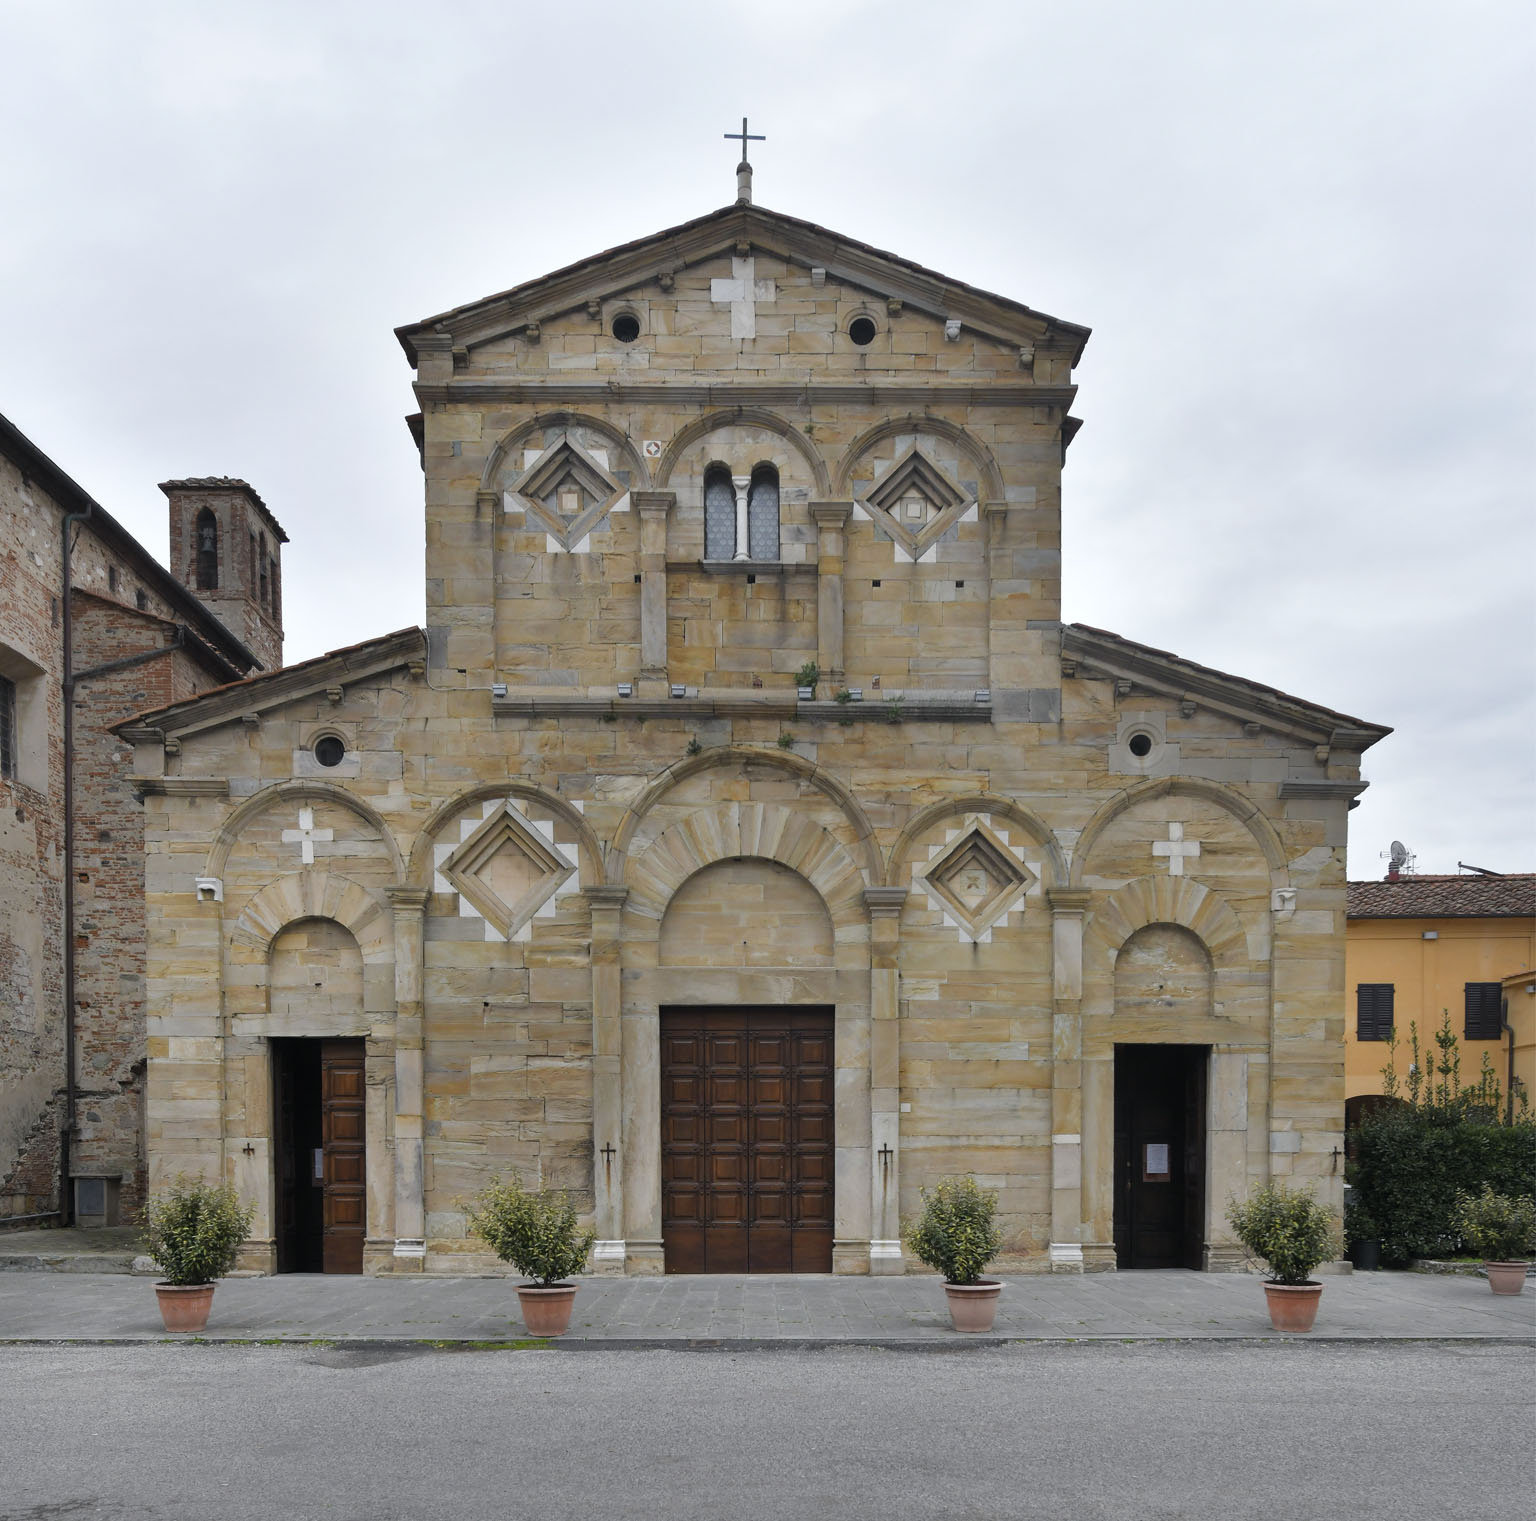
[1155,1162]
[320,1164]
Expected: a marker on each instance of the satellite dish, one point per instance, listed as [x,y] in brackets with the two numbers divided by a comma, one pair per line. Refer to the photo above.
[1399,855]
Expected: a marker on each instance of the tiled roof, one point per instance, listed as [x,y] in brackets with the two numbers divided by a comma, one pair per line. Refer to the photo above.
[1445,897]
[225,483]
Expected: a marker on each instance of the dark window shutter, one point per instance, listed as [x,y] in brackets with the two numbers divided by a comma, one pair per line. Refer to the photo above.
[1485,1005]
[1373,1010]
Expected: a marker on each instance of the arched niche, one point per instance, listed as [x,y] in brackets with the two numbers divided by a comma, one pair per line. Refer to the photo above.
[936,436]
[315,984]
[504,464]
[746,912]
[759,437]
[1163,972]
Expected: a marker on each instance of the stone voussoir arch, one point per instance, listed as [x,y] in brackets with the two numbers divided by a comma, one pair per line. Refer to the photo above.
[743,417]
[1170,900]
[496,460]
[1243,809]
[992,476]
[979,802]
[842,798]
[314,894]
[419,870]
[302,791]
[735,830]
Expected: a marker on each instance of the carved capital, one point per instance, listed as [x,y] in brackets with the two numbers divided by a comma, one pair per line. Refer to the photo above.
[831,514]
[885,901]
[647,503]
[1068,900]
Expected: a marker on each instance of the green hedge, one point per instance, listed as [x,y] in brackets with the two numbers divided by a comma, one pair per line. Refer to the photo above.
[1409,1164]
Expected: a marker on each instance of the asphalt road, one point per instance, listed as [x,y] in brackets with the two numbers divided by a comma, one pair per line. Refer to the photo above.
[1283,1432]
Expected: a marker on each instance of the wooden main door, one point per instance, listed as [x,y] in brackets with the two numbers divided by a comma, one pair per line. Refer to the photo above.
[746,1140]
[319,1127]
[1160,1156]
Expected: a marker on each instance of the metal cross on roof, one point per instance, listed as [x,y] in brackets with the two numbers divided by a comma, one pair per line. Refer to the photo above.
[745,137]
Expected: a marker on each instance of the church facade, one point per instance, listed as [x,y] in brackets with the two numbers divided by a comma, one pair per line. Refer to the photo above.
[746,842]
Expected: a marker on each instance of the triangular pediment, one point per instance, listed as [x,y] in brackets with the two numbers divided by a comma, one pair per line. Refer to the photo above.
[1097,653]
[738,231]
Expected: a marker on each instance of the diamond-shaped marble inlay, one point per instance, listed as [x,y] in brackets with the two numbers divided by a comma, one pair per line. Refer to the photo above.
[567,493]
[976,879]
[916,503]
[508,870]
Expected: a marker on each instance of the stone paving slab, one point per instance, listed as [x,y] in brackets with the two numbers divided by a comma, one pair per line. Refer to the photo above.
[782,1310]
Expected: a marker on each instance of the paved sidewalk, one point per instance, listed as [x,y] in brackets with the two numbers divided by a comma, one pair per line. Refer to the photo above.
[767,1310]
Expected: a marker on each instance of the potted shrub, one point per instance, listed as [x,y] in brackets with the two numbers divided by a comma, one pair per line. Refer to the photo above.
[1502,1229]
[958,1235]
[1291,1233]
[537,1233]
[1362,1237]
[193,1231]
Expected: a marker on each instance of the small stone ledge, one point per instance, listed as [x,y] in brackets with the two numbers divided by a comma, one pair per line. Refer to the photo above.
[913,709]
[182,786]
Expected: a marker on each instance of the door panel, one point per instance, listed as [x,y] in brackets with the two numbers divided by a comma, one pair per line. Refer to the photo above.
[755,1195]
[1160,1156]
[343,1130]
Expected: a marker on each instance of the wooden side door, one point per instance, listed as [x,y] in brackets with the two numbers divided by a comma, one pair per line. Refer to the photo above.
[343,1131]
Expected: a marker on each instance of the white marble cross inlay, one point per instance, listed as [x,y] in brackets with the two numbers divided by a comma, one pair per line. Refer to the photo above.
[306,835]
[743,292]
[1176,848]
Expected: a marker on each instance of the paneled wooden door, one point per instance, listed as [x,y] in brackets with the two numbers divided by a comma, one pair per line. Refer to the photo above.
[746,1140]
[1160,1162]
[343,1129]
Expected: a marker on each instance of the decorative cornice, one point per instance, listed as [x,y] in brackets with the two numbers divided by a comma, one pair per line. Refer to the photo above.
[1068,900]
[1320,787]
[885,900]
[182,786]
[726,393]
[913,709]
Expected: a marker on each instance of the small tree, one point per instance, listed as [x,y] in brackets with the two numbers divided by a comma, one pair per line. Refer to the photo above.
[194,1230]
[536,1233]
[957,1232]
[1286,1229]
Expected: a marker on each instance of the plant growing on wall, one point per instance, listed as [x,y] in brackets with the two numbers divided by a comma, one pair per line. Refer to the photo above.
[808,675]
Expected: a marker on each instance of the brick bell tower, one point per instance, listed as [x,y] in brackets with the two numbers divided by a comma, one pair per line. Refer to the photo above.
[226,549]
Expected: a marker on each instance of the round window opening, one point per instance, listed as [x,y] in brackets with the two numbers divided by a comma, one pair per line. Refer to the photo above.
[862,331]
[329,750]
[1140,745]
[626,327]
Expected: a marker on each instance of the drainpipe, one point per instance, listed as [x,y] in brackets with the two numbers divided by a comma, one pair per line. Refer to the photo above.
[67,1131]
[1509,1077]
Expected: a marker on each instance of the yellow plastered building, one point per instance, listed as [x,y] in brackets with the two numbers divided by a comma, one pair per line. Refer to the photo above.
[1420,945]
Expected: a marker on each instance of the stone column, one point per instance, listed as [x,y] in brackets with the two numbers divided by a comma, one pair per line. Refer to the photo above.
[831,518]
[607,905]
[885,905]
[410,906]
[653,507]
[743,486]
[1068,906]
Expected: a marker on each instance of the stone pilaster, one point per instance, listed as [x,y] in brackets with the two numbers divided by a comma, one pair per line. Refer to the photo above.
[410,905]
[607,905]
[831,519]
[1068,906]
[885,905]
[653,507]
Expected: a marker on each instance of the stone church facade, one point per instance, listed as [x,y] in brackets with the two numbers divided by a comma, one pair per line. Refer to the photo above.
[746,842]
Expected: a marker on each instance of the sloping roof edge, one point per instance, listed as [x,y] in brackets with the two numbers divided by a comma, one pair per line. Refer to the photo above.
[528,292]
[227,703]
[1444,896]
[73,497]
[1116,655]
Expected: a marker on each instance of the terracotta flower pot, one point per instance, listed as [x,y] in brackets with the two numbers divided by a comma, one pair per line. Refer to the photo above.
[973,1306]
[1293,1306]
[546,1311]
[184,1306]
[1506,1277]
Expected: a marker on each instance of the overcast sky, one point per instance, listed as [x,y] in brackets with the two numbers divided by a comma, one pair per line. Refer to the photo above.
[1302,235]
